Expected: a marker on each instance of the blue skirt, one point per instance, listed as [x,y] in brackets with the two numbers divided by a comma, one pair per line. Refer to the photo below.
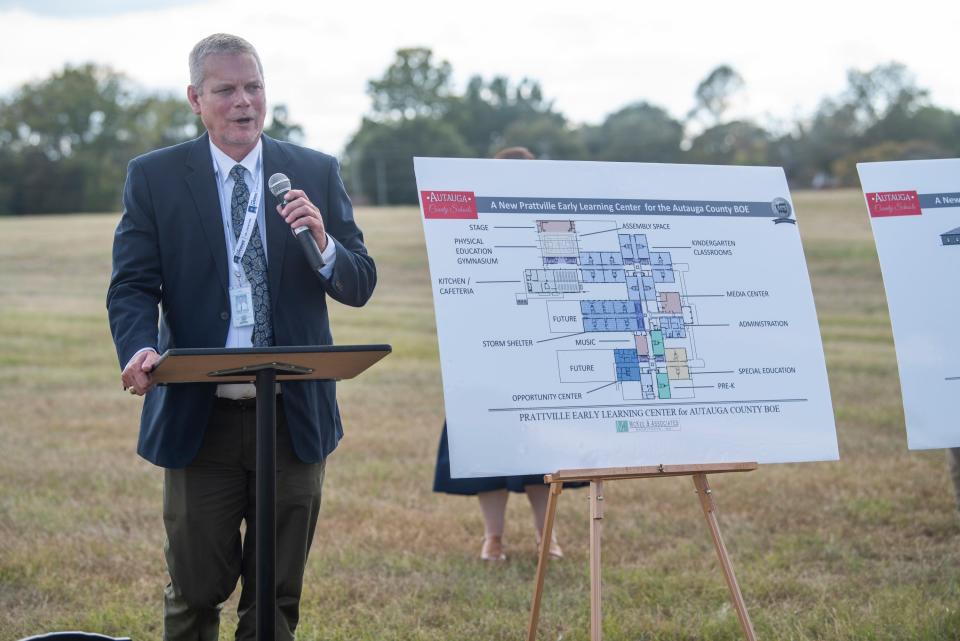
[470,486]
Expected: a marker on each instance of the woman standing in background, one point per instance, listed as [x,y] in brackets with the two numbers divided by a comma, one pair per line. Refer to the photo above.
[493,491]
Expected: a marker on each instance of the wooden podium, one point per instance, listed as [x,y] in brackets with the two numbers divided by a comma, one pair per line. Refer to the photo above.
[265,366]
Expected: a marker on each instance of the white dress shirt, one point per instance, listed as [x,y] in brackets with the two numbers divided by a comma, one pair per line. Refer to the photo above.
[253,164]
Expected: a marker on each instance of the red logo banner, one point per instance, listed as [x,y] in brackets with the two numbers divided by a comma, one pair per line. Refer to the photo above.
[893,203]
[451,205]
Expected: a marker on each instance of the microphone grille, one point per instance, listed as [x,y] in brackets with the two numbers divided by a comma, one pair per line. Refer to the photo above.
[278,184]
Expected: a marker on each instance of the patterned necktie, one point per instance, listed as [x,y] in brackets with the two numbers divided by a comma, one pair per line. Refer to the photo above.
[254,262]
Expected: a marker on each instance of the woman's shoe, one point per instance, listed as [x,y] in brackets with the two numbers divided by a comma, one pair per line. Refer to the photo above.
[492,549]
[556,552]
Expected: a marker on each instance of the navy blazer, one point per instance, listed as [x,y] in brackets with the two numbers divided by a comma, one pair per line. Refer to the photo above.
[169,287]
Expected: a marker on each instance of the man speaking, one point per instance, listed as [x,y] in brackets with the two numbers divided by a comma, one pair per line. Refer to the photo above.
[188,212]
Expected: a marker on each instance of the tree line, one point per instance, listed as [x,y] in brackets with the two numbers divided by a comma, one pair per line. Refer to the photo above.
[65,140]
[881,115]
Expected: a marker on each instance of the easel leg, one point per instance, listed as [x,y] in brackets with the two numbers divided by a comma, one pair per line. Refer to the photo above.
[596,522]
[709,511]
[552,498]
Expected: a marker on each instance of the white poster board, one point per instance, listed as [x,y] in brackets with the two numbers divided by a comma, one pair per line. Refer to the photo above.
[914,209]
[621,314]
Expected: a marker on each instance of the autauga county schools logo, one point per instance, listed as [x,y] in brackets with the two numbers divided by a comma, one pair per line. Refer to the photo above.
[449,204]
[893,203]
[782,211]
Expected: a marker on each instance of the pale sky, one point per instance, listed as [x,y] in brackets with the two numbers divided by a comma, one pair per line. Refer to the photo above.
[591,58]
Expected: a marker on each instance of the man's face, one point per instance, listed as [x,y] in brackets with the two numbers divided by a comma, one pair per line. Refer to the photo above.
[231,102]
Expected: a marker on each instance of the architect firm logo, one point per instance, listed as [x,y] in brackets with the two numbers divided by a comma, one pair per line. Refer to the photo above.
[893,203]
[648,425]
[452,205]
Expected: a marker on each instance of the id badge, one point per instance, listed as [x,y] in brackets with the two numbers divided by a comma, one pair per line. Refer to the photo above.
[241,306]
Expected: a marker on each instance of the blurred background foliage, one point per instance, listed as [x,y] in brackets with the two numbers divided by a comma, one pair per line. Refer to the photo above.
[65,140]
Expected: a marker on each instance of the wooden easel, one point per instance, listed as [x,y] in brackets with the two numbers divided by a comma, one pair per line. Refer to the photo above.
[596,477]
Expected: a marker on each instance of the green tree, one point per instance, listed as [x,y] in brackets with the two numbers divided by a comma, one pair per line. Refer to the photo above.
[640,132]
[415,111]
[844,169]
[732,143]
[714,94]
[65,140]
[547,136]
[879,106]
[886,90]
[379,158]
[412,86]
[487,109]
[281,128]
[808,152]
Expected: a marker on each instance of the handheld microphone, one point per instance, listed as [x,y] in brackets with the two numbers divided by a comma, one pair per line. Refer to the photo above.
[279,185]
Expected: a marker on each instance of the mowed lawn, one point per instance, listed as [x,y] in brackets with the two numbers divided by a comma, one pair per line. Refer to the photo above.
[864,548]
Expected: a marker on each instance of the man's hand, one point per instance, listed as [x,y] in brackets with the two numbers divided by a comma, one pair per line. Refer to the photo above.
[136,375]
[300,212]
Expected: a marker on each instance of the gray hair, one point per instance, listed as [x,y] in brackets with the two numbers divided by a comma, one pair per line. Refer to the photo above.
[218,43]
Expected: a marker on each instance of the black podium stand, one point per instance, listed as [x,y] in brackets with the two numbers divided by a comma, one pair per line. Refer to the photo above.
[265,366]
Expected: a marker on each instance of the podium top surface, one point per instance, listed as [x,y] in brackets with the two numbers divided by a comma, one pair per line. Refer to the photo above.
[240,365]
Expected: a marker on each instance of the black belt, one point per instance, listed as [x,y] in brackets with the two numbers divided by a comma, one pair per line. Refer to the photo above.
[239,403]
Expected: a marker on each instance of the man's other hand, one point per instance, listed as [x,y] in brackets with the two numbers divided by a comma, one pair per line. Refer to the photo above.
[136,375]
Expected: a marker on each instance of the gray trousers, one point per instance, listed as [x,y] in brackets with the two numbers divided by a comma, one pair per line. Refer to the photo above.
[203,507]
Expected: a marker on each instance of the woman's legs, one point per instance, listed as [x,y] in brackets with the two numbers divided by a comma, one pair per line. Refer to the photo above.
[538,495]
[494,507]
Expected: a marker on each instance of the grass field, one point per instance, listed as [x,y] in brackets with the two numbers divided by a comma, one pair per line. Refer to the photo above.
[866,548]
